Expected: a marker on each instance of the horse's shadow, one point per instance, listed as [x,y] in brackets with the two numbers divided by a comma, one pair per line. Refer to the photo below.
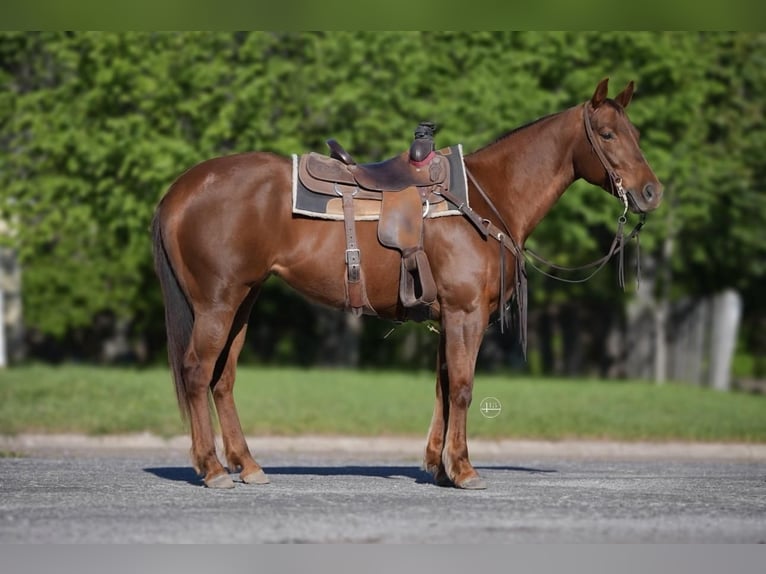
[188,475]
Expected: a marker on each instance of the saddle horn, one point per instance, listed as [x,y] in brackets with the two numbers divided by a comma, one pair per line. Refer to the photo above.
[423,145]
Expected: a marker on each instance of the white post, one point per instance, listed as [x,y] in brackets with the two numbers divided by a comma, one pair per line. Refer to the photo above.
[727,311]
[3,354]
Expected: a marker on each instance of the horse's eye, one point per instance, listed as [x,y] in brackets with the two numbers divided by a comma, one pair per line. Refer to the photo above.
[607,135]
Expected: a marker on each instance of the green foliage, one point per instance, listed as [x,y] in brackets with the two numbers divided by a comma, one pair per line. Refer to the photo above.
[95,126]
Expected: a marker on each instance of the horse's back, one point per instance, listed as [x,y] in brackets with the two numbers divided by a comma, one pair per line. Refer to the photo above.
[224,178]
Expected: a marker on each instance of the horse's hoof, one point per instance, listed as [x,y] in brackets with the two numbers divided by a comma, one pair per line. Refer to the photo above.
[257,477]
[220,481]
[473,483]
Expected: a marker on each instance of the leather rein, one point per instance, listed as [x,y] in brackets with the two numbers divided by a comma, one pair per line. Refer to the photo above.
[507,241]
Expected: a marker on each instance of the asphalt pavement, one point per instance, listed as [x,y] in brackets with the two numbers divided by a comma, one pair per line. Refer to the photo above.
[75,492]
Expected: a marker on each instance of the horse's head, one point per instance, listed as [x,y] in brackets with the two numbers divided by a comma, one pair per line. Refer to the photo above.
[611,157]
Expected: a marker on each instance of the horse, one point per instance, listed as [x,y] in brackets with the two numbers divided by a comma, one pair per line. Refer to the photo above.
[226,224]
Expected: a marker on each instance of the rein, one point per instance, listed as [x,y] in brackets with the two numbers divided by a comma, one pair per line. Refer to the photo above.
[507,242]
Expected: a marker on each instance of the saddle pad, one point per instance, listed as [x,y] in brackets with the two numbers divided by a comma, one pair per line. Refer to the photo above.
[320,206]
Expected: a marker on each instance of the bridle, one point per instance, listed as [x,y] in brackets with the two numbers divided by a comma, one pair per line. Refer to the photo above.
[507,242]
[614,179]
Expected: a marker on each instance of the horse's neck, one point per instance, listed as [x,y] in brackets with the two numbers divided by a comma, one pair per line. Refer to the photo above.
[525,172]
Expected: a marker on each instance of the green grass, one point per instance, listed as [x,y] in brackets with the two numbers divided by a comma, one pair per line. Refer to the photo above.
[280,401]
[11,454]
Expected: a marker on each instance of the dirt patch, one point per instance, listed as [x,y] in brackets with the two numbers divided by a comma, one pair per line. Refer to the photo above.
[390,447]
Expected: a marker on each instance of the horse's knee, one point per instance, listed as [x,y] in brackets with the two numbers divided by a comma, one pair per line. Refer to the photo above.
[461,397]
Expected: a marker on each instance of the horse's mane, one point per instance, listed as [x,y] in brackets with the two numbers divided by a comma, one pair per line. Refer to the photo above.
[515,130]
[507,134]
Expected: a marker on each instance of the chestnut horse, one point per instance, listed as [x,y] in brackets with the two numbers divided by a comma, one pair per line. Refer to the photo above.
[226,224]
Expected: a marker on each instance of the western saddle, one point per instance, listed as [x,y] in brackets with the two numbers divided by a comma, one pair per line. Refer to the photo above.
[404,184]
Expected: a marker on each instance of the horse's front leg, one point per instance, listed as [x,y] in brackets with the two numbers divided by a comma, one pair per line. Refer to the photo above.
[462,332]
[432,461]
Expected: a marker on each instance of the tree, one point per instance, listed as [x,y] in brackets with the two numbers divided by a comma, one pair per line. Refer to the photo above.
[95,126]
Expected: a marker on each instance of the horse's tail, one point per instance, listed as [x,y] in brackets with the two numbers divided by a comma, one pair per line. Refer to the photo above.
[179,317]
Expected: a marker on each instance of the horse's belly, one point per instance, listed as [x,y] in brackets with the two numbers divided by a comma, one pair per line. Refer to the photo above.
[313,262]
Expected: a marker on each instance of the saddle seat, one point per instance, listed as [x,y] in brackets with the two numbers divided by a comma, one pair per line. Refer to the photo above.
[391,175]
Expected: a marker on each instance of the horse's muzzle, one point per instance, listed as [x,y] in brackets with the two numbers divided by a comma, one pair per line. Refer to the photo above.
[647,200]
[652,193]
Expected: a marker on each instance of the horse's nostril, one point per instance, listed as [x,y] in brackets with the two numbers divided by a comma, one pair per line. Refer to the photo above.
[649,191]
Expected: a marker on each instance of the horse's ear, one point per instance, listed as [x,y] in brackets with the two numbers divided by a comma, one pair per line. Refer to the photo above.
[624,97]
[600,94]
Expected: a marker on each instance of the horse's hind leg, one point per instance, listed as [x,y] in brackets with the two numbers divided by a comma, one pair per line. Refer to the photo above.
[235,446]
[210,336]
